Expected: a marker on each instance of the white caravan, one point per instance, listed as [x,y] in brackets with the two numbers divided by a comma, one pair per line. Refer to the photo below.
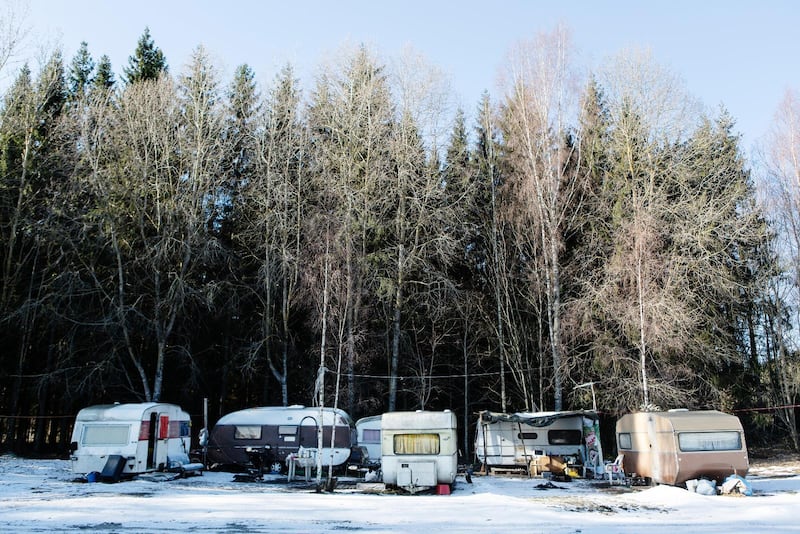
[118,440]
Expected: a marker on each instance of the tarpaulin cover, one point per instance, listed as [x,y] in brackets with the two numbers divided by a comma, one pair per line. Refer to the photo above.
[537,419]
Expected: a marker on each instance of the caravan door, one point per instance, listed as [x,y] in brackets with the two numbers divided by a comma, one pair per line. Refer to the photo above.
[157,439]
[152,442]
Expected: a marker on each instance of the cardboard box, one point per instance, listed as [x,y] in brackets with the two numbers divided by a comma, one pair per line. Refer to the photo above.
[552,464]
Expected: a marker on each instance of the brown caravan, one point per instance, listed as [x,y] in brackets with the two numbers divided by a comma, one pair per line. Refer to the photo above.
[679,445]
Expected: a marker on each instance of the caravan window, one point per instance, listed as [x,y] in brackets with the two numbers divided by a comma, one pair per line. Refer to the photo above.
[287,433]
[247,432]
[709,441]
[625,441]
[416,444]
[372,435]
[565,437]
[527,435]
[106,434]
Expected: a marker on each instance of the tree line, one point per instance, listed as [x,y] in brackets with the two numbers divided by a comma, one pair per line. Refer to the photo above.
[172,237]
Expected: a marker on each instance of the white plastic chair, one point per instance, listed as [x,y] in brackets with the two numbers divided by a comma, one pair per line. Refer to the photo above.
[615,471]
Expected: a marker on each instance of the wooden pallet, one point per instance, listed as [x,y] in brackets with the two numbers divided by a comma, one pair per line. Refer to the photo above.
[507,471]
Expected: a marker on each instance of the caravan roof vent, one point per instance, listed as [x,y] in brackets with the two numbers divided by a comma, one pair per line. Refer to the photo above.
[678,410]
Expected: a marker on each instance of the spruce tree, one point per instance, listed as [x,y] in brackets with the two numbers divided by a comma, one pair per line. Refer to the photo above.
[80,72]
[243,107]
[51,92]
[104,77]
[147,62]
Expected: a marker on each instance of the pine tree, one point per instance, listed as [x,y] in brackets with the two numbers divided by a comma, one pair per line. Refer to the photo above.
[52,86]
[29,167]
[147,62]
[457,158]
[243,107]
[80,72]
[104,77]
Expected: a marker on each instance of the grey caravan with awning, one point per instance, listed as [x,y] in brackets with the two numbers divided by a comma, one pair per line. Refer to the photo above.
[540,440]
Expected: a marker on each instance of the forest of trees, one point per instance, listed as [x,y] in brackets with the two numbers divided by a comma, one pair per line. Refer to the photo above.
[167,235]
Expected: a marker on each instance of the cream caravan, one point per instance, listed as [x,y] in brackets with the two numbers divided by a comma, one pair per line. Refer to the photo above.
[419,449]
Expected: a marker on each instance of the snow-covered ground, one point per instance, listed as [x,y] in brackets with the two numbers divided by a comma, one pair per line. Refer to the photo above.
[40,496]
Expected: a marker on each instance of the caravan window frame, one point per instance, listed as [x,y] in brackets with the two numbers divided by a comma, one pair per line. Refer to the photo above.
[371,435]
[417,444]
[625,441]
[98,435]
[714,441]
[567,436]
[247,432]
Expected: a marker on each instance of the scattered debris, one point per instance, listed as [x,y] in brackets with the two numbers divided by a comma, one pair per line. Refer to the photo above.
[736,485]
[547,485]
[702,486]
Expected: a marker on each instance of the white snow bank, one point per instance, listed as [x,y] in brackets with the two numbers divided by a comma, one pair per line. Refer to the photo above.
[39,496]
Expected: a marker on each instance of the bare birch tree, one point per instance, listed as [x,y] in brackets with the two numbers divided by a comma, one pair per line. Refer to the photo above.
[782,203]
[13,33]
[540,99]
[275,198]
[421,217]
[155,187]
[648,113]
[350,120]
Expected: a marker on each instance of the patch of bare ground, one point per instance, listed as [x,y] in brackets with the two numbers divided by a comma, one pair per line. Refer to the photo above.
[583,504]
[774,462]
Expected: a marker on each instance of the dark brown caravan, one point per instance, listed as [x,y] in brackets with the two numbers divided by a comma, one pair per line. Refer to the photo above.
[678,445]
[281,430]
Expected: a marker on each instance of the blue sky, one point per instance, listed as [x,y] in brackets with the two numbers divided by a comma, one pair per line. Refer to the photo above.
[741,54]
